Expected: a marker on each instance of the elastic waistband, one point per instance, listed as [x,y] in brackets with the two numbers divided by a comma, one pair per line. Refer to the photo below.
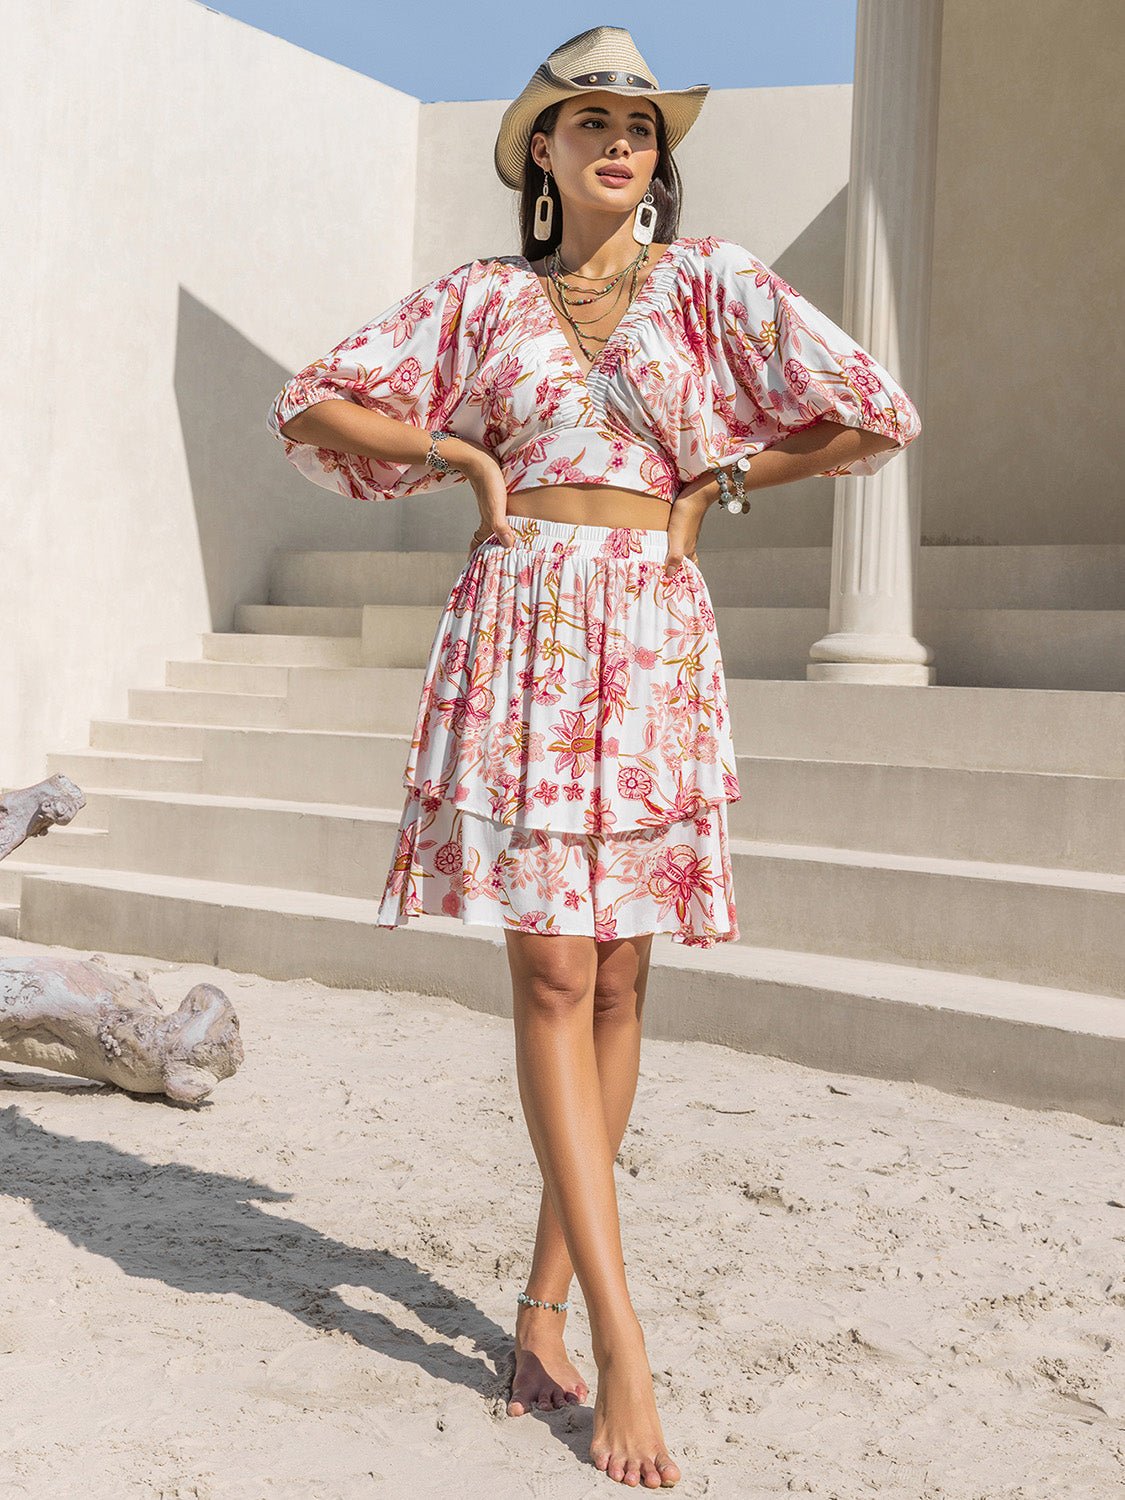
[613,542]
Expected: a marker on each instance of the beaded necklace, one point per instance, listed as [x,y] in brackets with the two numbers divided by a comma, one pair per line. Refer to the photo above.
[554,266]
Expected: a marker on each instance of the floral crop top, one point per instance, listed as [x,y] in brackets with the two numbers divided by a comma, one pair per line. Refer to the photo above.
[715,358]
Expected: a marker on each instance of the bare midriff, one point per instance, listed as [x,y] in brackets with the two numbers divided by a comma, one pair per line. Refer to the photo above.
[591,505]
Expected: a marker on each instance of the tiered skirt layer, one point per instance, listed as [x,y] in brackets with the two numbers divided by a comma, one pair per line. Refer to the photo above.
[571,760]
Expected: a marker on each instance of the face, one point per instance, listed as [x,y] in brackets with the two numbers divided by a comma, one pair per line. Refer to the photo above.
[598,130]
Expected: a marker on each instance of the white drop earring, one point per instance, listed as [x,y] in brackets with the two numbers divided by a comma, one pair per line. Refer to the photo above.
[544,213]
[644,220]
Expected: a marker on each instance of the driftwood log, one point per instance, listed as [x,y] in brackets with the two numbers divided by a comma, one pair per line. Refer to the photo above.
[31,811]
[76,1016]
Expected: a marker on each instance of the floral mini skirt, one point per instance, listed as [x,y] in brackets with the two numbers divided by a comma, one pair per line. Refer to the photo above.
[571,761]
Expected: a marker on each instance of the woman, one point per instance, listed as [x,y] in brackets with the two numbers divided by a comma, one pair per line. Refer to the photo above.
[571,762]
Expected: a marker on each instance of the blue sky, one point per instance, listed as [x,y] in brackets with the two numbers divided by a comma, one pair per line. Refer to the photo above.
[447,50]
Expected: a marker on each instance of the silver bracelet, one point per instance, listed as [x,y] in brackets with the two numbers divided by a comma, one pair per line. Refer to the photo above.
[734,498]
[433,457]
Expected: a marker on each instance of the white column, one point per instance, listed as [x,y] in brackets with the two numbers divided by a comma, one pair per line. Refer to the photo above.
[876,525]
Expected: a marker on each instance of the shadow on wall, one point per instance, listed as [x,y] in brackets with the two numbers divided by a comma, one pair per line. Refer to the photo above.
[813,263]
[249,500]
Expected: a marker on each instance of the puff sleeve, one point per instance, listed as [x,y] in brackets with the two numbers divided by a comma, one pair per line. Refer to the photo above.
[414,362]
[783,365]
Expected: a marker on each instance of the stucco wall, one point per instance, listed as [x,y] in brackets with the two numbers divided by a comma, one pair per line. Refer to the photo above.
[1026,367]
[190,208]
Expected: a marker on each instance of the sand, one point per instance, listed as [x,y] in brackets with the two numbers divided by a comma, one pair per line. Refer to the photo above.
[306,1286]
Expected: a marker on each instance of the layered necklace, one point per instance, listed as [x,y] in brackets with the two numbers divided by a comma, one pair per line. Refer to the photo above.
[566,296]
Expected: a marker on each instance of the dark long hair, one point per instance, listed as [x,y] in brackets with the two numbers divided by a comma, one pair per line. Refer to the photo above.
[665,187]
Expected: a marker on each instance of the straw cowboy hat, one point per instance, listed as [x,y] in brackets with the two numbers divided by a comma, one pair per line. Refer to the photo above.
[603,58]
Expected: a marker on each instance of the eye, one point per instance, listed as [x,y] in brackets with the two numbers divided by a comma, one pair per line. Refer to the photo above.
[644,129]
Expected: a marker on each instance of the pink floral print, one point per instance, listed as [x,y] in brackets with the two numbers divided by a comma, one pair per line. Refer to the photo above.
[717,357]
[574,686]
[571,761]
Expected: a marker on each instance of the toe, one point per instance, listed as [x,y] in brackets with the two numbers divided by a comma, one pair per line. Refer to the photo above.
[650,1474]
[599,1460]
[616,1467]
[669,1469]
[633,1471]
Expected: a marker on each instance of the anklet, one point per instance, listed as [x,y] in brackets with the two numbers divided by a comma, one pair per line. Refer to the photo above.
[535,1302]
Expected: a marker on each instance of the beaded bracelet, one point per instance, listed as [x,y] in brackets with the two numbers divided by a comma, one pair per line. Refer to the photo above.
[535,1302]
[736,500]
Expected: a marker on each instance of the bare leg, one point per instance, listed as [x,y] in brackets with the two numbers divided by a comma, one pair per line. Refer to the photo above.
[544,1375]
[554,980]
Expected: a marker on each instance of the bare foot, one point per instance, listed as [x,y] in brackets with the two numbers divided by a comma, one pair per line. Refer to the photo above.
[544,1376]
[628,1441]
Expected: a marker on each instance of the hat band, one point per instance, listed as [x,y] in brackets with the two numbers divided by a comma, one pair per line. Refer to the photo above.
[629,78]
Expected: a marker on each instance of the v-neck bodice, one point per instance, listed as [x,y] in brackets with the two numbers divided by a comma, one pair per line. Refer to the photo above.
[634,309]
[716,358]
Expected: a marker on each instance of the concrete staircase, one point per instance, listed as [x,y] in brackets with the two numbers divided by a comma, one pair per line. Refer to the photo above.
[930,881]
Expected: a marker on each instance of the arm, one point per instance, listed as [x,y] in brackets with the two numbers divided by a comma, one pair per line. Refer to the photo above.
[345,427]
[824,445]
[358,420]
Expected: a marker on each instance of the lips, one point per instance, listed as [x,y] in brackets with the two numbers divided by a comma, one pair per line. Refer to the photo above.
[621,173]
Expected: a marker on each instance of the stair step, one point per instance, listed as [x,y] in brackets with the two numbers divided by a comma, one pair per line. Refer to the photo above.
[73,845]
[1052,648]
[1017,817]
[1065,649]
[1078,576]
[996,728]
[1017,729]
[101,769]
[1030,818]
[1023,1044]
[290,650]
[189,705]
[296,619]
[1012,921]
[148,737]
[228,676]
[1045,649]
